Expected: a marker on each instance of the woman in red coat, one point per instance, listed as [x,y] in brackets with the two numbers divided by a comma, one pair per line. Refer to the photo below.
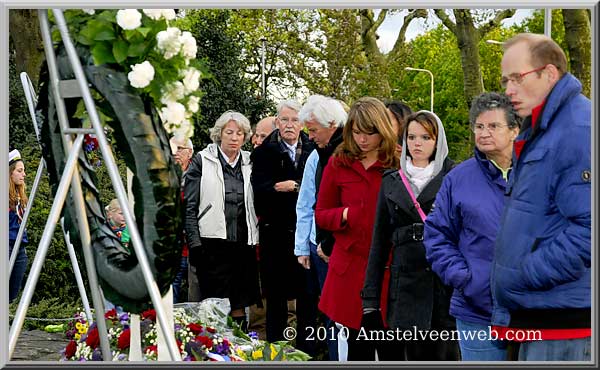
[346,206]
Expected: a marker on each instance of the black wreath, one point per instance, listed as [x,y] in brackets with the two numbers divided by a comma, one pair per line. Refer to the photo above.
[143,142]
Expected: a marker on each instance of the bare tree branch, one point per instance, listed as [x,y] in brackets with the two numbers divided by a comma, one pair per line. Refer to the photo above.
[441,14]
[412,15]
[493,23]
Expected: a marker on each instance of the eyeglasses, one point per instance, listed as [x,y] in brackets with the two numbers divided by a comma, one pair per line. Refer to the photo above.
[491,127]
[517,78]
[179,148]
[286,120]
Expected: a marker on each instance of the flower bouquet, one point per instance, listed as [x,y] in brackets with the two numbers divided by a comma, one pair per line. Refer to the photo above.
[217,339]
[160,60]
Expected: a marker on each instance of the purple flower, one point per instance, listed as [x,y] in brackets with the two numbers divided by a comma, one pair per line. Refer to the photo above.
[97,355]
[253,335]
[222,349]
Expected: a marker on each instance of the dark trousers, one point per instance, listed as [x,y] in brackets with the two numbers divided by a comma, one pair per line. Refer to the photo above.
[306,316]
[179,278]
[18,271]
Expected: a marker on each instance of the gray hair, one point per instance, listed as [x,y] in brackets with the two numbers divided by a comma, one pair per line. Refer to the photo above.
[238,118]
[492,100]
[291,104]
[324,110]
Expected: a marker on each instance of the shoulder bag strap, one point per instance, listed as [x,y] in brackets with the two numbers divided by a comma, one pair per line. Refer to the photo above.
[412,195]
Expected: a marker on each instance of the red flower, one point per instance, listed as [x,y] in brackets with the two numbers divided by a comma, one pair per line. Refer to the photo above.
[124,339]
[71,348]
[211,329]
[112,314]
[93,340]
[151,348]
[149,314]
[204,340]
[179,343]
[195,328]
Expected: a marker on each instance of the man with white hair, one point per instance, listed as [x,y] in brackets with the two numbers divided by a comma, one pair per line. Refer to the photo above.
[278,165]
[324,117]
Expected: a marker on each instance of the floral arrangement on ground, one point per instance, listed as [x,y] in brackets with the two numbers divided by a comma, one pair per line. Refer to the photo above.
[203,331]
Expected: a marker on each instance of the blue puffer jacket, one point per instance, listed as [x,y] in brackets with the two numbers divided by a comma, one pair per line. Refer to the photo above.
[13,227]
[460,234]
[542,255]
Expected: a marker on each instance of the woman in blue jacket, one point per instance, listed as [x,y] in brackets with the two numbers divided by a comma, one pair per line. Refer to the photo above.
[460,233]
[17,201]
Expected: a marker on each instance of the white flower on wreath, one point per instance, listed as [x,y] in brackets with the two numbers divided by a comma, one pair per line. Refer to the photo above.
[169,42]
[141,75]
[189,47]
[89,11]
[184,130]
[169,14]
[172,92]
[156,14]
[191,80]
[174,113]
[193,104]
[129,19]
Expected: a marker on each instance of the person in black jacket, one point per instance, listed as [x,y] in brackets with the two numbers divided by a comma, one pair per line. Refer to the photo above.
[277,168]
[417,297]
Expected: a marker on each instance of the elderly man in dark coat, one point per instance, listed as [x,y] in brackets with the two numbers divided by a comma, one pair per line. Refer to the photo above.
[278,165]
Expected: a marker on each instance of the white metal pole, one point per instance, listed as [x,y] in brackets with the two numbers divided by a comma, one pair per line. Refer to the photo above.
[264,81]
[77,272]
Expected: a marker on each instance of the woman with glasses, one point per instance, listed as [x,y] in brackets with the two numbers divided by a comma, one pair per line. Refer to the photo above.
[460,234]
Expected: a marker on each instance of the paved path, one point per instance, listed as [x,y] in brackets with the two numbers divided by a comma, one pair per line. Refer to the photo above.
[38,345]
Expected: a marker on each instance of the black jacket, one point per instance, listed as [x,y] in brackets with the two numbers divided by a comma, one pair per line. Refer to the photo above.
[271,164]
[417,296]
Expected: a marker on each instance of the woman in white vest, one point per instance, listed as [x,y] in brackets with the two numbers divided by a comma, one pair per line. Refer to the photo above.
[220,222]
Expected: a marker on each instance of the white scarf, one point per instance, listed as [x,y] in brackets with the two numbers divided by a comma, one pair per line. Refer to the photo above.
[419,177]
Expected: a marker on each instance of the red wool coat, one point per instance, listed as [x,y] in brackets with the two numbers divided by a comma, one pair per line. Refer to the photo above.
[356,188]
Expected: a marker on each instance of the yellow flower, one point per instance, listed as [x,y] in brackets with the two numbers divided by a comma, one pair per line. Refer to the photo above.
[77,336]
[78,326]
[257,354]
[273,352]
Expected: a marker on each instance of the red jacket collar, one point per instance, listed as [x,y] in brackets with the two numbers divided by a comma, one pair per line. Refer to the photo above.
[535,113]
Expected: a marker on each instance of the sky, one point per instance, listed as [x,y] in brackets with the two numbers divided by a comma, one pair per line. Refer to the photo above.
[388,31]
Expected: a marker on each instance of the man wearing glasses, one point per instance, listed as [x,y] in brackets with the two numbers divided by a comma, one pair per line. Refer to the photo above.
[277,169]
[182,151]
[541,276]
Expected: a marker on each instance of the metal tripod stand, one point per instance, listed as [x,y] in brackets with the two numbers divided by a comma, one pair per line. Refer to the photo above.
[71,178]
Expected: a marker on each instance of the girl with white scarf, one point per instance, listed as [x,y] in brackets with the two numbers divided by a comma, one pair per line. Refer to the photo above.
[417,297]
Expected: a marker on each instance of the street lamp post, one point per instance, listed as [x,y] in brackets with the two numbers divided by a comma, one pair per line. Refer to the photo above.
[263,52]
[430,75]
[548,22]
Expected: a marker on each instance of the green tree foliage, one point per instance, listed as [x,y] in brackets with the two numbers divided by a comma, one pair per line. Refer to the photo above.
[227,88]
